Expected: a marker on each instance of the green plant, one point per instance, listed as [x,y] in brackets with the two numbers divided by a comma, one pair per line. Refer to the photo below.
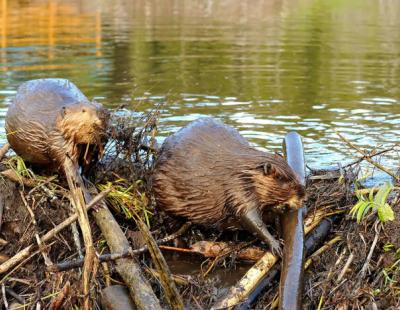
[129,199]
[374,202]
[17,164]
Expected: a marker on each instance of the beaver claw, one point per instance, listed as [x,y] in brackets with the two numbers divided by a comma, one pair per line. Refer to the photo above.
[276,248]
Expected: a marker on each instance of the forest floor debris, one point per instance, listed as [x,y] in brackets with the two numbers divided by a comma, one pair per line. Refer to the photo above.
[358,266]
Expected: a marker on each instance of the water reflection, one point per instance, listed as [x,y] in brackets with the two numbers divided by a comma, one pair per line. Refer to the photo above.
[264,66]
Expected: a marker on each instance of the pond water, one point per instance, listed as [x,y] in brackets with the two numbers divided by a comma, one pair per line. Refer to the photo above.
[264,66]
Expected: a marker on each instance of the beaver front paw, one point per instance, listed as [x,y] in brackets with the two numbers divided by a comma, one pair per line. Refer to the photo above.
[276,247]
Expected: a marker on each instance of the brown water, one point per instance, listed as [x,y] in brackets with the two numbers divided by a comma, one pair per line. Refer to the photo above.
[264,66]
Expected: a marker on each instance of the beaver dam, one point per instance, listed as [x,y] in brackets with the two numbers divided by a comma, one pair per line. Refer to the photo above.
[155,261]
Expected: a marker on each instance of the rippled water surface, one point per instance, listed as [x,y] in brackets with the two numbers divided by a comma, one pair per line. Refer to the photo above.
[266,67]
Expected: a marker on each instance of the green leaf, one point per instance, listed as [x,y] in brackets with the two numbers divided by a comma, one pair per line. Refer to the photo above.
[371,195]
[362,211]
[388,247]
[385,213]
[383,193]
[354,210]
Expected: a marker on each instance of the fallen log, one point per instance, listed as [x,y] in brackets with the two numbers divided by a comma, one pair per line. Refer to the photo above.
[116,297]
[139,289]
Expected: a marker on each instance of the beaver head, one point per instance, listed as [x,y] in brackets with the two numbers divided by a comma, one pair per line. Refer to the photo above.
[84,125]
[276,185]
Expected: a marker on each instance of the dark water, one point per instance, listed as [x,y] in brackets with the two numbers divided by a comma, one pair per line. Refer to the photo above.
[266,67]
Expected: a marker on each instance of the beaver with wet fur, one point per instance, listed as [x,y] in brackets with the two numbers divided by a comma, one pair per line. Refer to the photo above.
[209,174]
[50,119]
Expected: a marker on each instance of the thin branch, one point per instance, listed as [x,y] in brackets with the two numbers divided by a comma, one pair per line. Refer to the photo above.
[3,150]
[367,157]
[24,253]
[114,256]
[47,260]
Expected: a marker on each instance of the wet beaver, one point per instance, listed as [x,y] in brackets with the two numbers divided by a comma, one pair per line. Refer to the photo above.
[208,173]
[50,119]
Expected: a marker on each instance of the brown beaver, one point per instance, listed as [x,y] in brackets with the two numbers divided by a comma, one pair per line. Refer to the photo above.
[208,173]
[50,119]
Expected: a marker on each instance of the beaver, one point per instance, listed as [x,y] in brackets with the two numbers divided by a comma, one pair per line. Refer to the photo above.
[209,174]
[50,119]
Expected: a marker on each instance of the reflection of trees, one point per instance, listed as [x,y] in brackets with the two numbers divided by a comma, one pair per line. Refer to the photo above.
[286,49]
[51,23]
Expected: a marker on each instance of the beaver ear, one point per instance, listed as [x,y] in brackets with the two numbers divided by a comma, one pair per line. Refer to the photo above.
[268,169]
[272,171]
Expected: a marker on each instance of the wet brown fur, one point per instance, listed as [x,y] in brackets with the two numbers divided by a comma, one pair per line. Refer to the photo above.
[50,119]
[208,173]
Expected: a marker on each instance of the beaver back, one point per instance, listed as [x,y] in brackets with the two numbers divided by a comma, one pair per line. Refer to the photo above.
[32,121]
[207,172]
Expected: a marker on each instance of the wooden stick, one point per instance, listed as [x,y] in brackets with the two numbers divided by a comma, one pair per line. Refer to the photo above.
[76,263]
[46,258]
[321,250]
[171,294]
[3,150]
[77,186]
[139,289]
[374,242]
[368,157]
[24,253]
[59,299]
[13,176]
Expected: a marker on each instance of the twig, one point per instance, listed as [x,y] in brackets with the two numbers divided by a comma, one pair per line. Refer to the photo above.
[330,275]
[3,291]
[77,186]
[64,266]
[3,150]
[179,280]
[24,253]
[368,157]
[77,240]
[321,250]
[106,273]
[139,289]
[371,251]
[18,298]
[47,260]
[346,267]
[309,261]
[13,176]
[171,294]
[7,276]
[58,301]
